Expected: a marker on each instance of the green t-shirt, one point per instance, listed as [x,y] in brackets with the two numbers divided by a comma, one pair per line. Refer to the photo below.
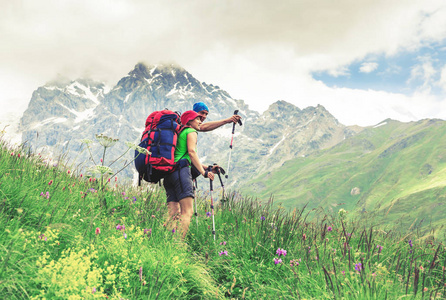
[181,148]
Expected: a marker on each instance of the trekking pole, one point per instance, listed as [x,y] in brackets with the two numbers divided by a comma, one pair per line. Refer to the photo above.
[195,200]
[212,204]
[222,171]
[232,139]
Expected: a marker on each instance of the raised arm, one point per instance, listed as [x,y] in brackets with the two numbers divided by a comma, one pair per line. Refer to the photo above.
[208,126]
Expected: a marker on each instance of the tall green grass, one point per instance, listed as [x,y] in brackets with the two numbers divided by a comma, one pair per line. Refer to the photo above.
[65,236]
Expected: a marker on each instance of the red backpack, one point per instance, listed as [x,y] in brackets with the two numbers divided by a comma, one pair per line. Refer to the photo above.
[160,138]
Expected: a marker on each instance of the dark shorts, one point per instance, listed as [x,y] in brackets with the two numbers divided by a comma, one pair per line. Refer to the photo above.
[179,185]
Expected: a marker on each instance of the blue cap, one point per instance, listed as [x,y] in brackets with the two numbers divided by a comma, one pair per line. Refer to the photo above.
[199,106]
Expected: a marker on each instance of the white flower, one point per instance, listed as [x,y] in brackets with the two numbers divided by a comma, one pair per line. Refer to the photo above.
[105,140]
[100,170]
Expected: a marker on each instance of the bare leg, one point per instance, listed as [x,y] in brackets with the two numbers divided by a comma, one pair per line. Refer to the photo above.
[173,210]
[187,210]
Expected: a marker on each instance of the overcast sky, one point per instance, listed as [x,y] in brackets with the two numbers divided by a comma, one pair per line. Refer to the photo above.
[364,60]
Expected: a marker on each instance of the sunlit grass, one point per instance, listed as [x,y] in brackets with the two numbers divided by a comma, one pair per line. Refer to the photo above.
[65,235]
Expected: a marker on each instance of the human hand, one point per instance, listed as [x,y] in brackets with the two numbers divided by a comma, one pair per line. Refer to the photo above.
[208,174]
[234,119]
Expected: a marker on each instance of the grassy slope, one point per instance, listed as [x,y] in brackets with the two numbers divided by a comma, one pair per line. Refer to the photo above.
[400,168]
[51,248]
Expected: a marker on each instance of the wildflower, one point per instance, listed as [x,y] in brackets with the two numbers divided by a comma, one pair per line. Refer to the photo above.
[140,274]
[208,214]
[81,175]
[358,267]
[262,218]
[18,155]
[281,252]
[223,253]
[99,169]
[380,248]
[421,268]
[68,172]
[374,275]
[105,140]
[51,182]
[97,231]
[101,159]
[343,273]
[304,236]
[223,243]
[94,290]
[134,199]
[277,261]
[153,216]
[410,243]
[118,227]
[425,289]
[148,231]
[329,229]
[294,262]
[173,230]
[125,235]
[116,178]
[86,141]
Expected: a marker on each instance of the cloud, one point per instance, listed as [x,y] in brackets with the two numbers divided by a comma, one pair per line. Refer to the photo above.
[368,67]
[342,71]
[442,81]
[260,51]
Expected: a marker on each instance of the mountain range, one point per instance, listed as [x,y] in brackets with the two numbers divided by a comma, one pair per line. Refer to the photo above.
[300,156]
[61,114]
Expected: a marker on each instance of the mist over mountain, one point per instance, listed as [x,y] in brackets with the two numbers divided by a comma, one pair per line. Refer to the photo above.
[62,113]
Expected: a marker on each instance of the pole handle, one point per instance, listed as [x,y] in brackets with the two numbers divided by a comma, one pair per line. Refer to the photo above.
[210,181]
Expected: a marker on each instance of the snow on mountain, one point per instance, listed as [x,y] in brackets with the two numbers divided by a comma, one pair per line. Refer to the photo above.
[76,110]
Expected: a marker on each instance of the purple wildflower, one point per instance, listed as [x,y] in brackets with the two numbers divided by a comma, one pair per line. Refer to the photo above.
[277,261]
[118,227]
[125,235]
[134,199]
[140,274]
[410,243]
[329,229]
[294,262]
[223,243]
[262,218]
[281,252]
[380,248]
[173,230]
[358,267]
[94,290]
[208,214]
[223,253]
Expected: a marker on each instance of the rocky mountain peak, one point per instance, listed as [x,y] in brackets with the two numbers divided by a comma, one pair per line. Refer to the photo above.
[70,110]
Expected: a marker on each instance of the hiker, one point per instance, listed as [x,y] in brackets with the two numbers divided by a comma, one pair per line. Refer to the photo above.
[179,185]
[203,111]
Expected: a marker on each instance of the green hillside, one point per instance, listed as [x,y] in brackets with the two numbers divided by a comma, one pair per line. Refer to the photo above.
[64,235]
[395,170]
